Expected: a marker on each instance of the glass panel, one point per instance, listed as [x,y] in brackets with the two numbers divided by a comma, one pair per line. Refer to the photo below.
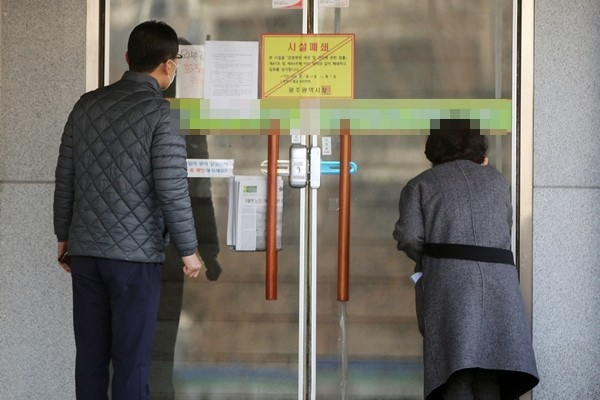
[404,49]
[222,340]
[196,21]
[231,342]
[428,49]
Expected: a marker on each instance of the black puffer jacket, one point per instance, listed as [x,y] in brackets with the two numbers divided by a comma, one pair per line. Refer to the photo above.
[121,177]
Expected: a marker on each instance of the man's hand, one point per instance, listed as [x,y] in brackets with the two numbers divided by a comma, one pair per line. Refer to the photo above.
[192,265]
[60,252]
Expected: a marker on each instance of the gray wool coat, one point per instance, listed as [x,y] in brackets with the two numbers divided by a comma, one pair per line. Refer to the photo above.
[471,314]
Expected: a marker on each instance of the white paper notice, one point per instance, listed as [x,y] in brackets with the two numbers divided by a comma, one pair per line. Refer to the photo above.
[335,3]
[211,168]
[247,217]
[231,70]
[287,3]
[190,72]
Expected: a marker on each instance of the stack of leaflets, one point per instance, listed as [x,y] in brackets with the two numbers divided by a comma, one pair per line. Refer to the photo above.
[247,217]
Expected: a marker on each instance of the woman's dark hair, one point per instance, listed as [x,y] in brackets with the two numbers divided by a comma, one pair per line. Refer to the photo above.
[151,43]
[455,139]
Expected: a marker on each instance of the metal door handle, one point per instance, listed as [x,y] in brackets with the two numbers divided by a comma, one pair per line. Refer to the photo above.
[273,156]
[344,213]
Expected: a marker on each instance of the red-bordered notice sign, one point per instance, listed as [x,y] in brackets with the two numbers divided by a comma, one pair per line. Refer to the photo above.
[307,66]
[287,3]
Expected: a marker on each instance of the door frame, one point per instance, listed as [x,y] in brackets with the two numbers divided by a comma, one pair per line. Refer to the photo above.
[522,98]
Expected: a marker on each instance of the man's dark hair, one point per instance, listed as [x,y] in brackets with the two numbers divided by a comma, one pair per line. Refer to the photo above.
[455,139]
[151,43]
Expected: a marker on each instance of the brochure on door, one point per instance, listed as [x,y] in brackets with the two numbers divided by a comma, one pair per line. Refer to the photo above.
[247,216]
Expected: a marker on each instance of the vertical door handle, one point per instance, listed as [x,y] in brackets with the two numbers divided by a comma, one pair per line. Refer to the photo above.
[344,212]
[273,156]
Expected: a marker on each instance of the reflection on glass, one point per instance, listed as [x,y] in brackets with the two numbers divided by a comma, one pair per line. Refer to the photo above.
[221,339]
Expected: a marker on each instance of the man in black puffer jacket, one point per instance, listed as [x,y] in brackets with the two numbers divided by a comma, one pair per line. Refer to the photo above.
[121,191]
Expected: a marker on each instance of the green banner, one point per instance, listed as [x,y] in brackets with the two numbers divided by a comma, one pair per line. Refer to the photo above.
[322,117]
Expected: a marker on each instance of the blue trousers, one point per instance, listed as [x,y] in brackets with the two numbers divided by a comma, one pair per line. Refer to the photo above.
[115,306]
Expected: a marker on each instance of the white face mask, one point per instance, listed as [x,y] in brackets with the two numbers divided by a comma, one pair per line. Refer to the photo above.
[171,79]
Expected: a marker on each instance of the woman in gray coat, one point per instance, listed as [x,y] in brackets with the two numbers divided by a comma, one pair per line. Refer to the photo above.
[455,222]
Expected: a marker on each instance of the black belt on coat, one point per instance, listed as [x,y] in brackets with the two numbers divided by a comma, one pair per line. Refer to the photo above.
[469,252]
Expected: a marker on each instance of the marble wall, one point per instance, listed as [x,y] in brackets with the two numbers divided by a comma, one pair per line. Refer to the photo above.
[566,209]
[42,73]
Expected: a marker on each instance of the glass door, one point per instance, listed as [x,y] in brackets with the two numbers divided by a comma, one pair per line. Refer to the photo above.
[221,339]
[404,50]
